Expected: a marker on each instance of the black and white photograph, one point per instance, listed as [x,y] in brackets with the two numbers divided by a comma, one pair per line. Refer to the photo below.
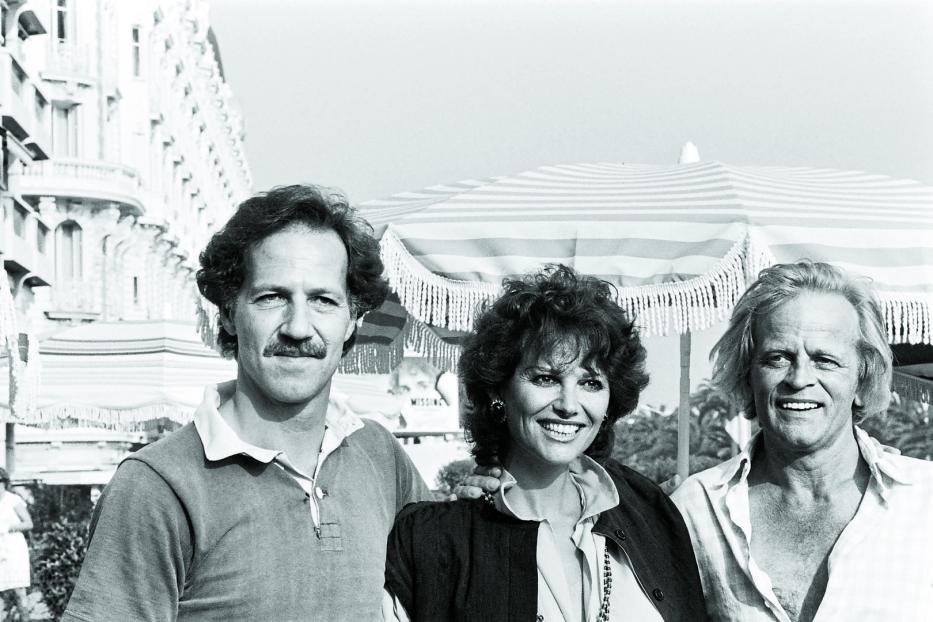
[466,310]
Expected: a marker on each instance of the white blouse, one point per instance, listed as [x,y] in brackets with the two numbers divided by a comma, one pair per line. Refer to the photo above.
[627,600]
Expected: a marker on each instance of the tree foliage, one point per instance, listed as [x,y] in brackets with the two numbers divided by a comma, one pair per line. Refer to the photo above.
[906,425]
[647,440]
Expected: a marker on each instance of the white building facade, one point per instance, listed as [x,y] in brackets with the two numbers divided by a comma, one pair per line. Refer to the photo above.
[122,153]
[145,159]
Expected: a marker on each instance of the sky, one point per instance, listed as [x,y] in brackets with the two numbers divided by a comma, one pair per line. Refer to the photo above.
[382,96]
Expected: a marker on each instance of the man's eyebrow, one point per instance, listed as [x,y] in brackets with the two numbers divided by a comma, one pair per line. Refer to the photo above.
[267,287]
[771,347]
[835,351]
[336,293]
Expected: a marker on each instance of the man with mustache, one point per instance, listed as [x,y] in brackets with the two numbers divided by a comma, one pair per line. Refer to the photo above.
[272,504]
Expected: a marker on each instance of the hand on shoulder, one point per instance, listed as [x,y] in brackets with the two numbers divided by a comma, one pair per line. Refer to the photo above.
[484,479]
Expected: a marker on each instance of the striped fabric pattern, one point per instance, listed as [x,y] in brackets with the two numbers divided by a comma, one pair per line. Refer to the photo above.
[680,243]
[122,374]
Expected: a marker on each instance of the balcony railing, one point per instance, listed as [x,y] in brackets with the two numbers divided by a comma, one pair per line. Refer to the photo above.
[78,178]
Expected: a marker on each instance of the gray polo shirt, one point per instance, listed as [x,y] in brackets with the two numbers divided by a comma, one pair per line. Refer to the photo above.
[192,529]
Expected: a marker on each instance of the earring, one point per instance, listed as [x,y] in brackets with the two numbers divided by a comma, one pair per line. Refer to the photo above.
[497,409]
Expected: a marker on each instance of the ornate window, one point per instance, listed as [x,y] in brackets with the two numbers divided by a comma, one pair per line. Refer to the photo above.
[69,251]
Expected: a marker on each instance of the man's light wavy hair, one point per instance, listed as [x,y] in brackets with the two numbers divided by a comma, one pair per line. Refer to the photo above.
[732,354]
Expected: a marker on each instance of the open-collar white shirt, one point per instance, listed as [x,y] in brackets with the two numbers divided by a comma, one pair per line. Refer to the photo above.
[880,569]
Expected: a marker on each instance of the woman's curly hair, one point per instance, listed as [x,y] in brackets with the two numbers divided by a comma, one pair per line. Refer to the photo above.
[553,312]
[223,262]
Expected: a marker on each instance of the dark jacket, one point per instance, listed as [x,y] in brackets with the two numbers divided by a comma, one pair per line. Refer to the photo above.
[464,560]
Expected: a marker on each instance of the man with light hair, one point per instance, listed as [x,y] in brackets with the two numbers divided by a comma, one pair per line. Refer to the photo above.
[813,520]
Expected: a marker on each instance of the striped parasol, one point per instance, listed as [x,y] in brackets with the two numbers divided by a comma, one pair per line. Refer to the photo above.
[680,243]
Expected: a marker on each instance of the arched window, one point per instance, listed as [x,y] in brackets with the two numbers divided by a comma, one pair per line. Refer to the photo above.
[69,251]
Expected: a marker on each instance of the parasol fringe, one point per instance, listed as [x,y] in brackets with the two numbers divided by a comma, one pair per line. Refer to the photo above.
[692,305]
[912,388]
[908,319]
[426,343]
[130,420]
[369,358]
[428,297]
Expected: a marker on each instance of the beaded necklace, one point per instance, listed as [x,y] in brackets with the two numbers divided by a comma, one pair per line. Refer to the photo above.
[607,590]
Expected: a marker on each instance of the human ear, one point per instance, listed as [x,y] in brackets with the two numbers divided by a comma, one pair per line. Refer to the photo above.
[352,325]
[226,319]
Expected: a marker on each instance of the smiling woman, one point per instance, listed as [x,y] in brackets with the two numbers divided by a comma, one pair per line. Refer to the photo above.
[570,535]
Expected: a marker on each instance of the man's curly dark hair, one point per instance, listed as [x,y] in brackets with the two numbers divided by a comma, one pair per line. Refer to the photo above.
[553,311]
[224,261]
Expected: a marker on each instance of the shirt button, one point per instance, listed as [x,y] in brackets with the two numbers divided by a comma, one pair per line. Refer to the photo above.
[621,535]
[657,593]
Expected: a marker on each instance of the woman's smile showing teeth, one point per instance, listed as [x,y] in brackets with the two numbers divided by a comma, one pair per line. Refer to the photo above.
[560,431]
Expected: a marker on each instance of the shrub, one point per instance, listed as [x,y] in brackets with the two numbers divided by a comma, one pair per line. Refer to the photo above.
[60,515]
[452,474]
[57,553]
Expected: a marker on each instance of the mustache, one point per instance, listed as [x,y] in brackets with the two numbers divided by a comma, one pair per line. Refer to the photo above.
[292,347]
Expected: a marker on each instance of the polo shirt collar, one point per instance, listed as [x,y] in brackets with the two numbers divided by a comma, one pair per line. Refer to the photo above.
[221,441]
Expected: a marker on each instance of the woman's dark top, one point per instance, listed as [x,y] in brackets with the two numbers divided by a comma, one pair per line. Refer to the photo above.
[464,560]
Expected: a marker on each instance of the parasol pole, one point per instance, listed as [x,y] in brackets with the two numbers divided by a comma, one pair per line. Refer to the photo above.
[683,412]
[10,454]
[688,155]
